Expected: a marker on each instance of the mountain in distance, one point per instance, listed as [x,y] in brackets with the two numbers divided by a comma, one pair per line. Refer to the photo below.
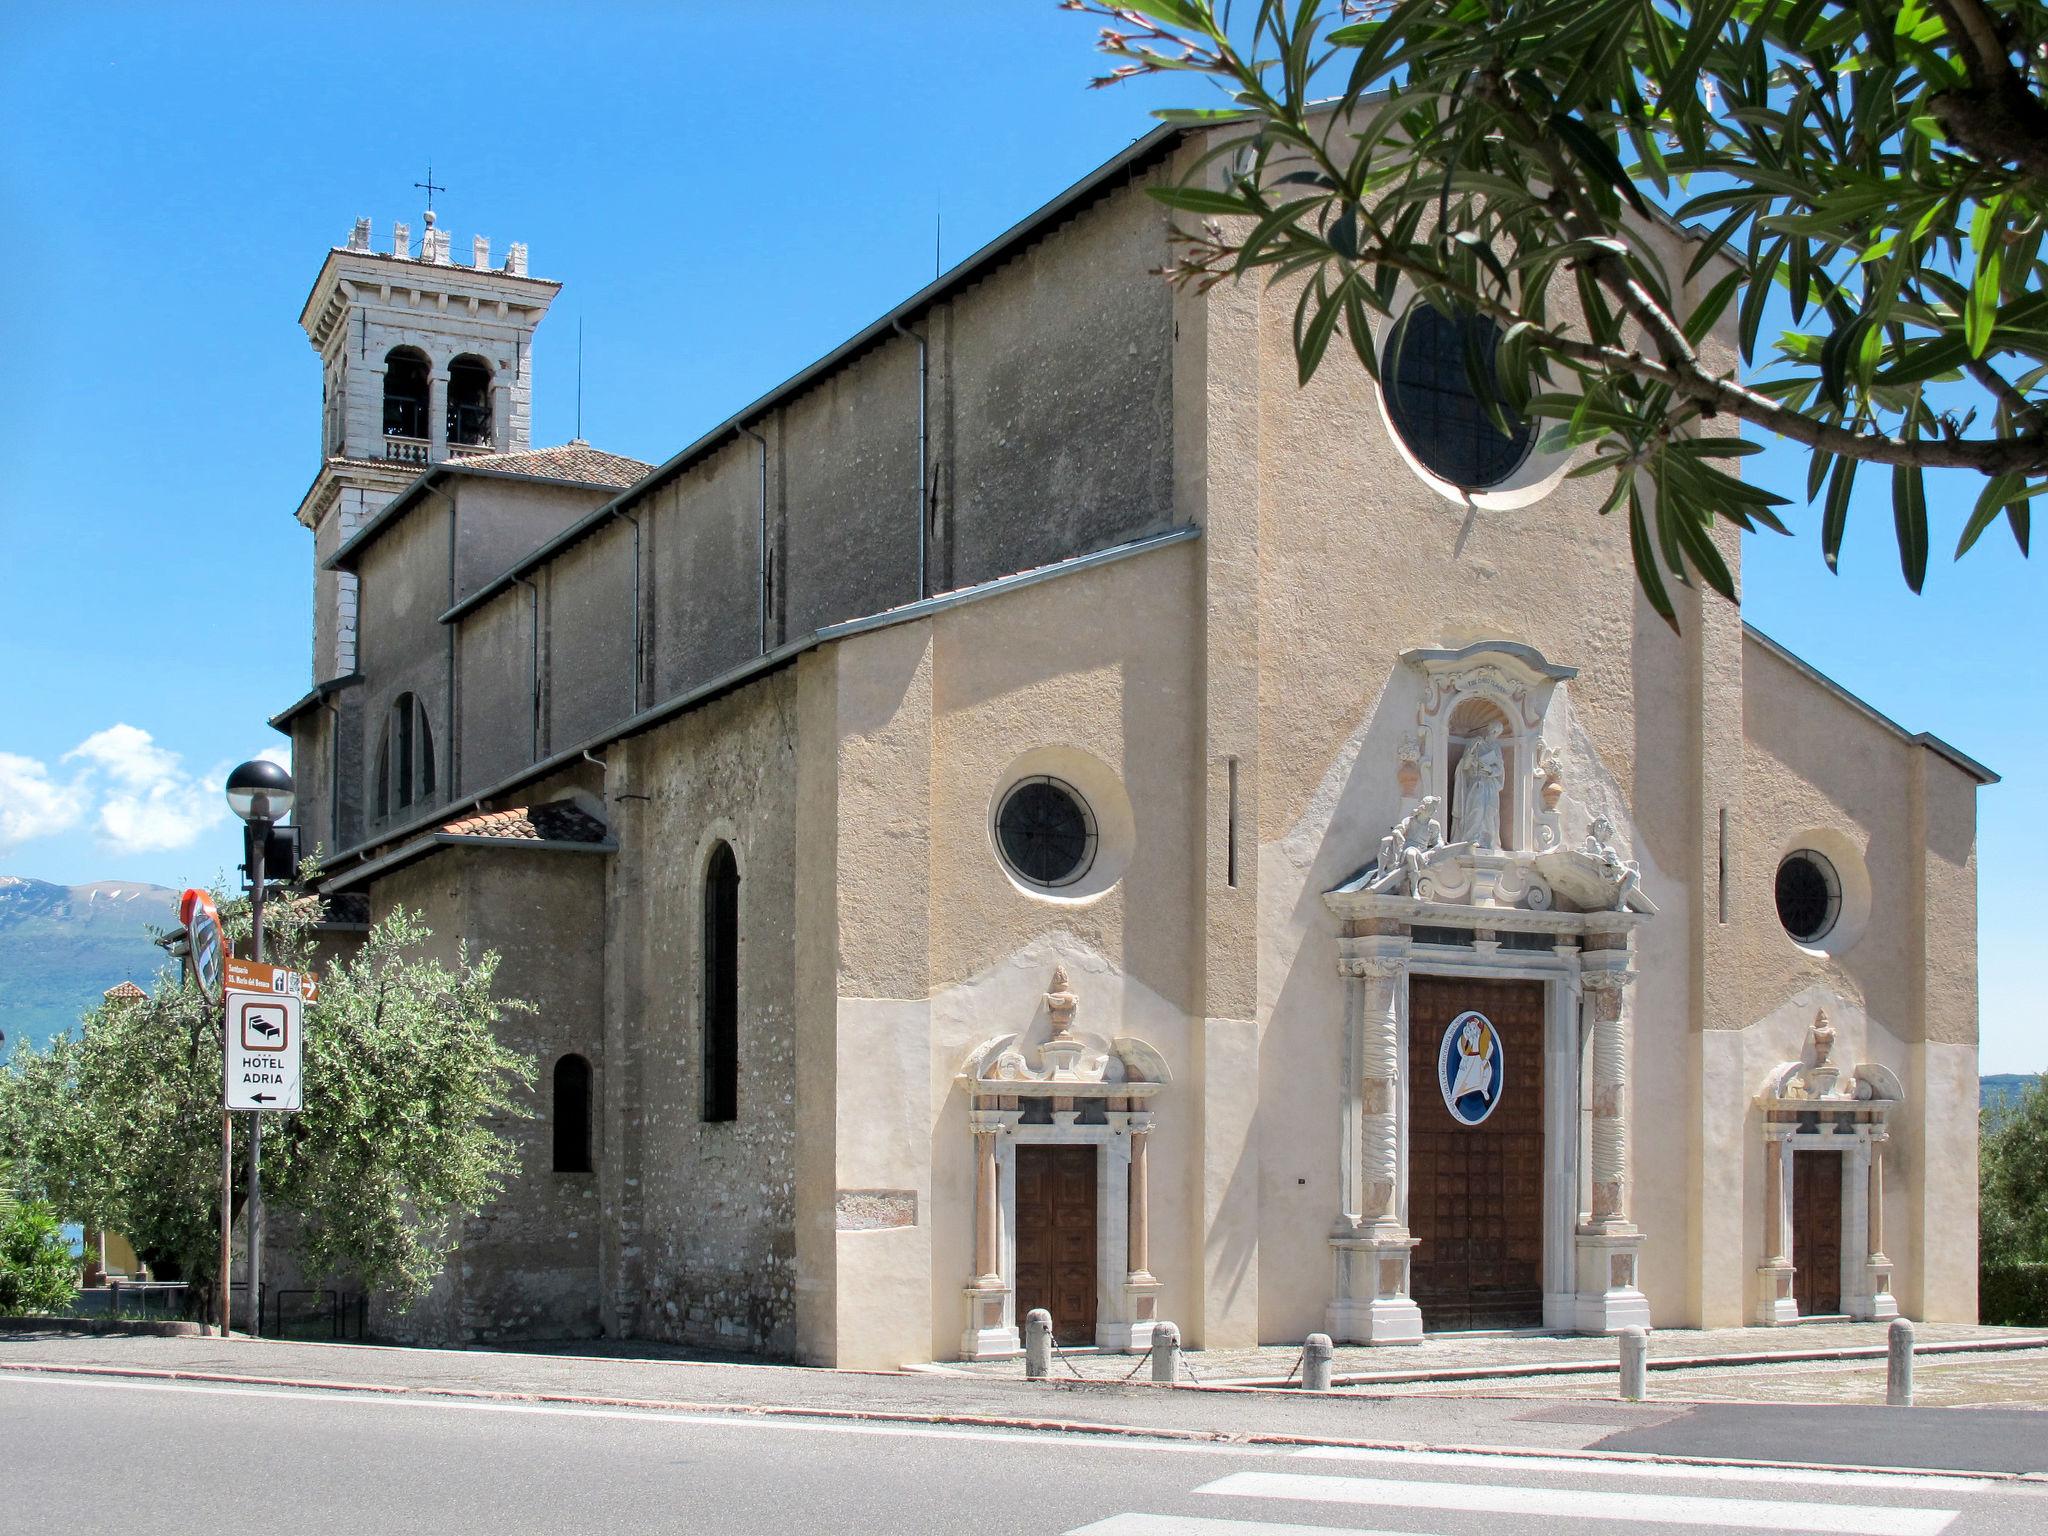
[62,946]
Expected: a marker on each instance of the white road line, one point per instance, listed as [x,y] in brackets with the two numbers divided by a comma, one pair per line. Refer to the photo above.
[738,1418]
[1517,1465]
[1570,1504]
[1190,1525]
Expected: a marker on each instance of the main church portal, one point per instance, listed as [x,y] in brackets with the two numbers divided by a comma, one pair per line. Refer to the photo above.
[1475,1151]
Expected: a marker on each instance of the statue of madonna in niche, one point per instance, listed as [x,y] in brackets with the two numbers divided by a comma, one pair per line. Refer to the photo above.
[1481,773]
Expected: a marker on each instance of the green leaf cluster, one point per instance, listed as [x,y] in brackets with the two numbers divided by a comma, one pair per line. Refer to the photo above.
[37,1271]
[407,1089]
[2012,1174]
[1622,185]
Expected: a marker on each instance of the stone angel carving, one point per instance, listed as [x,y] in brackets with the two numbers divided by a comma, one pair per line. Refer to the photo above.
[1407,847]
[1626,874]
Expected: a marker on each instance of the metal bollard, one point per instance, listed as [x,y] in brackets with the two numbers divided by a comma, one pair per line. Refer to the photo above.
[1165,1354]
[1898,1365]
[1037,1344]
[1635,1364]
[1315,1363]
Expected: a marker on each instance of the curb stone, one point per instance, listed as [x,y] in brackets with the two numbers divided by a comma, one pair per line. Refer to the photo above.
[984,1421]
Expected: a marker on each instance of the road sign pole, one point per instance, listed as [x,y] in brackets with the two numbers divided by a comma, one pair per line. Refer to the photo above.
[227,1199]
[259,836]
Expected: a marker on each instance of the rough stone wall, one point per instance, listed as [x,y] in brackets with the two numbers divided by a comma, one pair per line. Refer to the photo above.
[715,1226]
[527,1264]
[494,662]
[587,638]
[703,560]
[404,647]
[1056,406]
[502,521]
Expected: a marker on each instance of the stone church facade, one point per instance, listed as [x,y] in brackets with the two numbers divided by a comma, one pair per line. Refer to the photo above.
[1039,810]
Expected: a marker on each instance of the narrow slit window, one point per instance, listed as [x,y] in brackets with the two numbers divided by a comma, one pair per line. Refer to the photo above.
[572,1115]
[721,1001]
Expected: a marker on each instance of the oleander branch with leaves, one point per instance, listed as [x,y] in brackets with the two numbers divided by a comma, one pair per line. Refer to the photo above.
[1611,180]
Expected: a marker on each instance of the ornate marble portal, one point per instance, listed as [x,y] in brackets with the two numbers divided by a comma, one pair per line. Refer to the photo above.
[1502,897]
[1813,1105]
[1081,1091]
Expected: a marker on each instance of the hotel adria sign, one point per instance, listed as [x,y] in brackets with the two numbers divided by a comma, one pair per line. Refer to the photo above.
[1470,1067]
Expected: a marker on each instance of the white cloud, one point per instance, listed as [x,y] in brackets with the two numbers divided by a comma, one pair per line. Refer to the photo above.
[32,804]
[160,817]
[128,754]
[138,794]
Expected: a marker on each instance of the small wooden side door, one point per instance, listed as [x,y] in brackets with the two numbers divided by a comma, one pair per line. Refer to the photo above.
[1817,1232]
[1056,1238]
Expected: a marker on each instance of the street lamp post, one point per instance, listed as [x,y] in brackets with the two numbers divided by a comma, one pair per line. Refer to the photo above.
[260,792]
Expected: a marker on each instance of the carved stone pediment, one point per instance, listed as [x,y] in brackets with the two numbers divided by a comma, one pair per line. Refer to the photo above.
[1816,1081]
[1559,879]
[1068,1063]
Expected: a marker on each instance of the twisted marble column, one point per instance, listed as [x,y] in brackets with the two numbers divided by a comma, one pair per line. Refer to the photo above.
[1607,999]
[1379,1074]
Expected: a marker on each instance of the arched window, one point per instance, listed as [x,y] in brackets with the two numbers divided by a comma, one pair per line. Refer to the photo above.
[722,986]
[405,393]
[572,1115]
[405,757]
[469,401]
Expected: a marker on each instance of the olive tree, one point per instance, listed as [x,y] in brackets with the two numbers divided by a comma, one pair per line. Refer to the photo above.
[407,1087]
[1882,165]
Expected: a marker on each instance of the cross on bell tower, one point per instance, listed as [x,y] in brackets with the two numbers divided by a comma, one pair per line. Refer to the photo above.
[430,188]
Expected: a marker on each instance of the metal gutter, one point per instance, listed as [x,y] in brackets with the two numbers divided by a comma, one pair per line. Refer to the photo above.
[344,558]
[420,847]
[1926,739]
[1139,154]
[772,661]
[280,721]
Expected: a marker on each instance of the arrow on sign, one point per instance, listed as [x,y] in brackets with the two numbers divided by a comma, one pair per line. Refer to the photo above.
[264,1098]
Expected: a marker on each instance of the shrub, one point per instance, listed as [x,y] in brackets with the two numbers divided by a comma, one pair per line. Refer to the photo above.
[2013,1294]
[37,1272]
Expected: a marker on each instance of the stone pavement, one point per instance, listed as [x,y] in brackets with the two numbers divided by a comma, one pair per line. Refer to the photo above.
[1556,1413]
[1449,1362]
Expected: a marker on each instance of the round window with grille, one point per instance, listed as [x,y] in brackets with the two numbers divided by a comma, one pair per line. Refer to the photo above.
[1809,896]
[1046,832]
[1426,375]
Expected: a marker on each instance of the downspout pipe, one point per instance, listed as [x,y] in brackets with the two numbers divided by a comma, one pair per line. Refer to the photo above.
[533,630]
[761,620]
[923,452]
[639,644]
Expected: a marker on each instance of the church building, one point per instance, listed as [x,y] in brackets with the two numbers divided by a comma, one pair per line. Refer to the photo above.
[1039,810]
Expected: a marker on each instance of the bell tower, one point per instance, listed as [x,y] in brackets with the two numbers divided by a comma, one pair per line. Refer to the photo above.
[422,359]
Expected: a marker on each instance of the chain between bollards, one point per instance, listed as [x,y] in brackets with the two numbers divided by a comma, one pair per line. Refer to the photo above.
[1898,1365]
[1635,1364]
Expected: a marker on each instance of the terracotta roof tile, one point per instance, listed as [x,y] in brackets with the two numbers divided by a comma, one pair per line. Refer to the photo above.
[555,822]
[126,992]
[571,461]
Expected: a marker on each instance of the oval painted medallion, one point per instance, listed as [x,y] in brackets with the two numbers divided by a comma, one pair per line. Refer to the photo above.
[1470,1067]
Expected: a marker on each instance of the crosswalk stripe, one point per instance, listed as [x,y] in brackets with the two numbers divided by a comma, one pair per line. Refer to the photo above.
[1566,1503]
[1575,1466]
[1193,1525]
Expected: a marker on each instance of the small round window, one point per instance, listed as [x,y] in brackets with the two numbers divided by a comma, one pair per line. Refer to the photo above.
[1046,832]
[1809,896]
[1426,375]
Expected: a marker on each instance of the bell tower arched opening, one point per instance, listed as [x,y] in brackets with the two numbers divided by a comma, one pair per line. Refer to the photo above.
[469,402]
[406,374]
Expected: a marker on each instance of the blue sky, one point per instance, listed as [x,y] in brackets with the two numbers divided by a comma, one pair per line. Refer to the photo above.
[727,191]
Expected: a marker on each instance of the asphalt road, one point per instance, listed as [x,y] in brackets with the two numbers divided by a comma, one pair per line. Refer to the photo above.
[97,1454]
